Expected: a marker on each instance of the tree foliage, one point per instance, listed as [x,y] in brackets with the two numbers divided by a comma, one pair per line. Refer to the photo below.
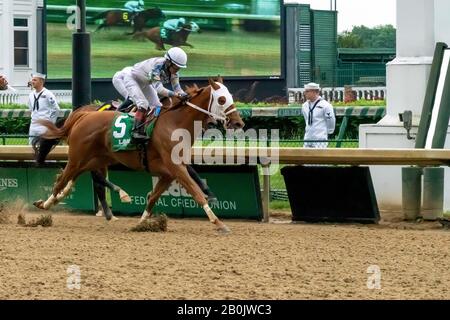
[363,37]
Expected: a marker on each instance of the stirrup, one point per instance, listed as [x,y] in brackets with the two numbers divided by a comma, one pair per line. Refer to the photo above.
[139,136]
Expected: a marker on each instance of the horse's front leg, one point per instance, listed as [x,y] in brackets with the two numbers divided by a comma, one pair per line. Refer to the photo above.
[192,188]
[162,185]
[188,45]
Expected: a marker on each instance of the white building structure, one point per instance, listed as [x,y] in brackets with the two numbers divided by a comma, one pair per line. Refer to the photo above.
[420,25]
[20,40]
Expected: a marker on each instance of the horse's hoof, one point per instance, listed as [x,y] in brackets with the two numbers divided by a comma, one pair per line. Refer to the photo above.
[39,204]
[109,216]
[114,218]
[224,230]
[124,197]
[99,213]
[144,216]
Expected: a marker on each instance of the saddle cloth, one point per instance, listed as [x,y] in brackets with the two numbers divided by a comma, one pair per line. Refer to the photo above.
[121,132]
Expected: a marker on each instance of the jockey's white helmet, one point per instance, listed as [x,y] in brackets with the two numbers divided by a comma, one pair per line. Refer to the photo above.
[177,56]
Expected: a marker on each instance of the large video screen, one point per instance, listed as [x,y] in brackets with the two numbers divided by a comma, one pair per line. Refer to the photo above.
[233,38]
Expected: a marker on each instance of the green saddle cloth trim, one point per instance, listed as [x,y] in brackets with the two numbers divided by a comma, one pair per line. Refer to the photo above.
[122,130]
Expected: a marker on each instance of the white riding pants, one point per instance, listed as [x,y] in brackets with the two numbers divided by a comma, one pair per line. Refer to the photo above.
[119,81]
[142,94]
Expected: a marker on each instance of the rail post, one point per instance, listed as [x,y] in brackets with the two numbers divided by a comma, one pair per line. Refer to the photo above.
[411,192]
[433,193]
[265,164]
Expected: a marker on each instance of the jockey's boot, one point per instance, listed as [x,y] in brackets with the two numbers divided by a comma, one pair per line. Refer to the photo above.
[138,129]
[124,105]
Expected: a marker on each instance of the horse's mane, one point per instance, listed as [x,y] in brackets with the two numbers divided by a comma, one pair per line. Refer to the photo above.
[192,91]
[87,108]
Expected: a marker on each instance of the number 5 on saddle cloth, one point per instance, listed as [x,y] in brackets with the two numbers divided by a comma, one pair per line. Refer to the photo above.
[123,123]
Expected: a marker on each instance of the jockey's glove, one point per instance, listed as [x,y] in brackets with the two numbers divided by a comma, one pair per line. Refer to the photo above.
[183,96]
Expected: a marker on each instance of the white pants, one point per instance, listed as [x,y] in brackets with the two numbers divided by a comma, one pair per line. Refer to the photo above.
[142,94]
[119,81]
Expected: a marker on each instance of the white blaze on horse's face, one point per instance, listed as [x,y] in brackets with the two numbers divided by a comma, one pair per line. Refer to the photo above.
[194,27]
[221,100]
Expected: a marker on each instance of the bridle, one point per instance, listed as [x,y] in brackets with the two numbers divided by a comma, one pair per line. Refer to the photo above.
[215,109]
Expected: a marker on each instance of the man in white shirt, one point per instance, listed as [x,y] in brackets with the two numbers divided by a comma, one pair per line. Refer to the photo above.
[319,118]
[42,104]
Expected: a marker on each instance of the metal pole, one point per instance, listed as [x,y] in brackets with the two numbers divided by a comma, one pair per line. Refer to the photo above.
[81,59]
[266,191]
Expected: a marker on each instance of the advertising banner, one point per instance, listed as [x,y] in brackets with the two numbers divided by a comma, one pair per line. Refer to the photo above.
[236,187]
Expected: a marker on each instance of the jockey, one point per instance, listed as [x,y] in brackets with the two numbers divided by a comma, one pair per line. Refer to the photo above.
[173,26]
[146,81]
[134,7]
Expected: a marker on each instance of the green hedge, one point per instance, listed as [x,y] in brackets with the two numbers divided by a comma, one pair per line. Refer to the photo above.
[293,128]
[14,125]
[290,127]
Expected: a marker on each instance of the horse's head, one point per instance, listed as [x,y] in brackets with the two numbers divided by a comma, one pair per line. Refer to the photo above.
[222,105]
[217,103]
[194,27]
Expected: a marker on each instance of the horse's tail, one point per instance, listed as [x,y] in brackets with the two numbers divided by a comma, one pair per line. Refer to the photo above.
[53,132]
[42,145]
[102,15]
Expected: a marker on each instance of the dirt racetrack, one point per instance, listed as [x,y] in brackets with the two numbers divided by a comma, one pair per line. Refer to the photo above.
[279,260]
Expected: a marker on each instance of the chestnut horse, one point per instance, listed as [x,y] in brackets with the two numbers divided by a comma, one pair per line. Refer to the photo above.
[88,136]
[113,18]
[177,39]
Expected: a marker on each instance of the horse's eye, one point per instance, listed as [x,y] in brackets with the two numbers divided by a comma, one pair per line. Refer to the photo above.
[222,100]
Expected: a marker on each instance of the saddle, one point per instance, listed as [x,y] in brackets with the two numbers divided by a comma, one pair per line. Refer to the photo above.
[113,105]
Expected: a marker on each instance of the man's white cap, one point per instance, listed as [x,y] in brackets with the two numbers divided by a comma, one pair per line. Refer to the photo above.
[312,86]
[38,75]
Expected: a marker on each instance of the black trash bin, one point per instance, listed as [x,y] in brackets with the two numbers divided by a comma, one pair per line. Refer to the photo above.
[331,194]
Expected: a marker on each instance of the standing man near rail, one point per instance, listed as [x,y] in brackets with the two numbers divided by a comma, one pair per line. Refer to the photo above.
[319,118]
[42,104]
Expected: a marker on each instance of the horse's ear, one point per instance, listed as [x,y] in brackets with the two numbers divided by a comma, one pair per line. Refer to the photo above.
[219,79]
[213,84]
